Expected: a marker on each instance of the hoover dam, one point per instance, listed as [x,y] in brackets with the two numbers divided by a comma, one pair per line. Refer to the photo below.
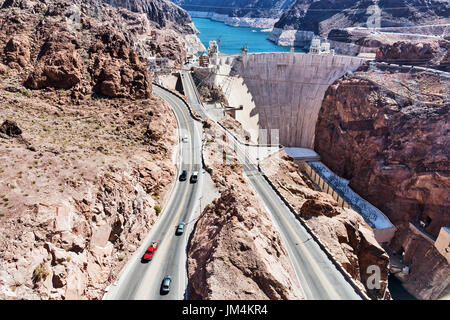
[280,91]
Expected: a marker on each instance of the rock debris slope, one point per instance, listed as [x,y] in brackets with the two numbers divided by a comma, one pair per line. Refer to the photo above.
[85,148]
[343,231]
[234,251]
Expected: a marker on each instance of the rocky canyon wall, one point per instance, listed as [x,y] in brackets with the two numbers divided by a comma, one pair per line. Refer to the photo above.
[386,131]
[337,19]
[282,91]
[243,13]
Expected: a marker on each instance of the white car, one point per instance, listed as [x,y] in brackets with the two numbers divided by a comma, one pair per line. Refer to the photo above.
[185,138]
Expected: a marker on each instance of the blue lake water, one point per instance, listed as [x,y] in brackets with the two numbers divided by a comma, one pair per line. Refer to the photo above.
[232,39]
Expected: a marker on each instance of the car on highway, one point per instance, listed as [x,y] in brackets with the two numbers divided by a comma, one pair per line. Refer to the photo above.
[148,255]
[180,228]
[183,175]
[165,285]
[194,177]
[185,138]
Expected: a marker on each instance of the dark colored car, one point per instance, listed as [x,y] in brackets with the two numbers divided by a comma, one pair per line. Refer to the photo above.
[194,177]
[180,229]
[183,175]
[165,285]
[148,255]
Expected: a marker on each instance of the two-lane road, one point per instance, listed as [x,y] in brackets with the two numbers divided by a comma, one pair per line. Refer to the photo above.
[142,281]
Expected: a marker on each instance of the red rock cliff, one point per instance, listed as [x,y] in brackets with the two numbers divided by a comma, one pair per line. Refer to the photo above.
[387,132]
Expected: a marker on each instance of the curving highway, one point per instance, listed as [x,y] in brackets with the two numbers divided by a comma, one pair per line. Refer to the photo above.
[142,281]
[317,274]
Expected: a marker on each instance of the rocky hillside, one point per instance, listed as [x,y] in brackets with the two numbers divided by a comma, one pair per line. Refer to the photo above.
[85,46]
[86,149]
[330,18]
[386,131]
[433,54]
[234,251]
[164,13]
[255,13]
[80,183]
[324,15]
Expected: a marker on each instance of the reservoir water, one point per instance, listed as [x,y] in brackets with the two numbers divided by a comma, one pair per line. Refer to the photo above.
[232,39]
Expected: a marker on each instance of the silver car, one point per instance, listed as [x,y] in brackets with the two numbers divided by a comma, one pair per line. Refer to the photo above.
[165,286]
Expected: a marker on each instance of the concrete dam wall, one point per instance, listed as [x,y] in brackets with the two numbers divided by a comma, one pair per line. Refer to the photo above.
[280,91]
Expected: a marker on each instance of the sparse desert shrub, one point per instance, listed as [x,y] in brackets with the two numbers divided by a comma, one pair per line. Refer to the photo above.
[40,273]
[157,208]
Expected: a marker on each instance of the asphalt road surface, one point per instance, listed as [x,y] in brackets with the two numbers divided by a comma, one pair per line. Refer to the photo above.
[142,281]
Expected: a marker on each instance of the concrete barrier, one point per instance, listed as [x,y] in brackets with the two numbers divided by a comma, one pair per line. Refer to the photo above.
[184,99]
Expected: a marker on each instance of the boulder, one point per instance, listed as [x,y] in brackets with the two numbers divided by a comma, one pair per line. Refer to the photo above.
[63,218]
[17,52]
[117,71]
[76,284]
[3,69]
[317,207]
[10,128]
[59,66]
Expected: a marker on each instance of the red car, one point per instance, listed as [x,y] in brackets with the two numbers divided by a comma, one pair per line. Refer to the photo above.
[148,255]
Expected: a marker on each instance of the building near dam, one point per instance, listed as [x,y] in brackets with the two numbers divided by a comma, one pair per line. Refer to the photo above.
[327,181]
[339,189]
[319,46]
